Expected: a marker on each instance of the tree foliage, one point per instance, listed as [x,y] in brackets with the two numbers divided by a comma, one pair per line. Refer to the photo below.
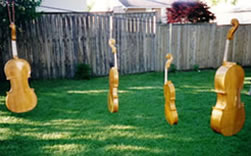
[189,12]
[215,2]
[24,10]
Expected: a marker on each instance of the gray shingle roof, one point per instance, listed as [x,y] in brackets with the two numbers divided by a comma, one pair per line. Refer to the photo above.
[147,3]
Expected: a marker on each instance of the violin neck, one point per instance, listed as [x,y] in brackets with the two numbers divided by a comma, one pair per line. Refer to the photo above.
[226,51]
[115,61]
[13,39]
[14,48]
[166,75]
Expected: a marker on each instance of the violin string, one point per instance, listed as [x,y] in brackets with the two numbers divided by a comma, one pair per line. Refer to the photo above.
[11,16]
[13,11]
[9,13]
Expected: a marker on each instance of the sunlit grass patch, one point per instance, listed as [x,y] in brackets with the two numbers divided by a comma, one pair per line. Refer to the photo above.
[92,91]
[121,127]
[145,87]
[126,148]
[63,148]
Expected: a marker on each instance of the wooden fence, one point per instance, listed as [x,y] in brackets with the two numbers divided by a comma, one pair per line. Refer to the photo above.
[202,45]
[55,43]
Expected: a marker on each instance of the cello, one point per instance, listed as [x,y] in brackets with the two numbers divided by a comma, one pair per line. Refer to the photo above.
[228,115]
[113,100]
[171,114]
[21,98]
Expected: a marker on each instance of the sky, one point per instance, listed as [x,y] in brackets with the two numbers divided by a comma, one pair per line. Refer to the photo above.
[225,12]
[103,5]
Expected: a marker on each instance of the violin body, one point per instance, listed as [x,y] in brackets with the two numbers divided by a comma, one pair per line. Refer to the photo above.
[113,100]
[228,116]
[21,98]
[170,108]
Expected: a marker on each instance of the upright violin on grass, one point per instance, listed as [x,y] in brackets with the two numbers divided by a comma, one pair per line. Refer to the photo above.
[169,93]
[113,99]
[21,98]
[228,116]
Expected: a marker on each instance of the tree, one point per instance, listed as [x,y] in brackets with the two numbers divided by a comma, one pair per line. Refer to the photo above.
[25,10]
[215,2]
[185,12]
[90,4]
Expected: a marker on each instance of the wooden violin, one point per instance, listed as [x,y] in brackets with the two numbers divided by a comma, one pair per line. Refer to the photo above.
[228,116]
[113,100]
[21,98]
[169,93]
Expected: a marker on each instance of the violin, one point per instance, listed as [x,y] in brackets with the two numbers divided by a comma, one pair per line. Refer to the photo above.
[169,94]
[21,98]
[228,115]
[113,100]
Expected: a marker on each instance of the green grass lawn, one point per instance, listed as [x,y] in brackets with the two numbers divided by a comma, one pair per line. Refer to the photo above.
[72,118]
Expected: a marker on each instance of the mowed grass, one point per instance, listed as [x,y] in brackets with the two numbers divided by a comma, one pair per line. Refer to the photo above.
[72,118]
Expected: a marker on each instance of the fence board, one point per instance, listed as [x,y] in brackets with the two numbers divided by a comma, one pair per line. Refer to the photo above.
[203,45]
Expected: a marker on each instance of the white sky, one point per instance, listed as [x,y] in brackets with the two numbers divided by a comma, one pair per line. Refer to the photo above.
[103,5]
[225,12]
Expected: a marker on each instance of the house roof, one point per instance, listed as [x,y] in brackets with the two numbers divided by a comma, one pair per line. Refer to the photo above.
[109,5]
[146,3]
[62,6]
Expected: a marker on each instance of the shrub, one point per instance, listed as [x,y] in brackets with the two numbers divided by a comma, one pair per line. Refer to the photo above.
[196,67]
[83,71]
[185,12]
[172,68]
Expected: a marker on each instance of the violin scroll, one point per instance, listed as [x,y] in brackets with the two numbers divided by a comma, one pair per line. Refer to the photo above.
[235,25]
[169,56]
[112,43]
[13,32]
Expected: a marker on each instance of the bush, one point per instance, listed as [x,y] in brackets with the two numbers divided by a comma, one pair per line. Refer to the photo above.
[83,72]
[172,68]
[185,12]
[196,67]
[24,9]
